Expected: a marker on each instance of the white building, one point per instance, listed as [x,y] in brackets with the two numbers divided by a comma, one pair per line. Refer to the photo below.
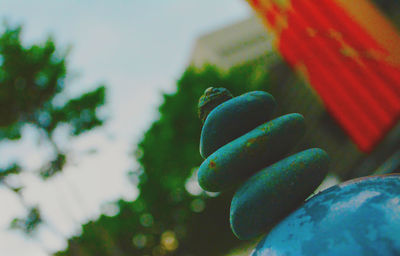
[232,45]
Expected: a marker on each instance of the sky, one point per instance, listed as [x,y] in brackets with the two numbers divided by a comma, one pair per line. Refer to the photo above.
[138,49]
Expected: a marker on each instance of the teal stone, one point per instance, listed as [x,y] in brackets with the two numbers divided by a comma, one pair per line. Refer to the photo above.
[234,118]
[359,217]
[272,193]
[251,152]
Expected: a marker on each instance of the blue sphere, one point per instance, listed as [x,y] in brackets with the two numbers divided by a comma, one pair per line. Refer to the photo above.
[358,217]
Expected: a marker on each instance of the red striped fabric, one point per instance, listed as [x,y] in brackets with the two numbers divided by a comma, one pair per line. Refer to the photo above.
[355,72]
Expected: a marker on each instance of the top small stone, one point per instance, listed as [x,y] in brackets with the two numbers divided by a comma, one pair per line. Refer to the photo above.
[211,98]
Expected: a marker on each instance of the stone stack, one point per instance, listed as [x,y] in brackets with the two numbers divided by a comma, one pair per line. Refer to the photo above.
[243,147]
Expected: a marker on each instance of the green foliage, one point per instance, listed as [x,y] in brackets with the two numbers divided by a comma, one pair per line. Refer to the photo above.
[11,169]
[30,80]
[166,219]
[29,223]
[80,113]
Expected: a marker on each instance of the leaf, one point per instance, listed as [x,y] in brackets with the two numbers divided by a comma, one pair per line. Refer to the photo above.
[80,113]
[53,167]
[29,223]
[12,169]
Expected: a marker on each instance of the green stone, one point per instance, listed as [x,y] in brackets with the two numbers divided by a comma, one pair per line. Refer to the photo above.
[233,118]
[274,192]
[251,152]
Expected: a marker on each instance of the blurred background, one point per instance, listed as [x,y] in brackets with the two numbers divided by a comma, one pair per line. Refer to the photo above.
[99,133]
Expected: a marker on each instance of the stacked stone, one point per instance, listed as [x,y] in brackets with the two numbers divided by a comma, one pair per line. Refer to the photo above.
[243,147]
[242,144]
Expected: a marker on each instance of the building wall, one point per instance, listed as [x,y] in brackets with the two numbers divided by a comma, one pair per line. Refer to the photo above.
[233,45]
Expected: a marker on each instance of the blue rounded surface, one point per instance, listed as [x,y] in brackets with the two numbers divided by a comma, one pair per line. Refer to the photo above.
[234,118]
[251,152]
[360,217]
[272,193]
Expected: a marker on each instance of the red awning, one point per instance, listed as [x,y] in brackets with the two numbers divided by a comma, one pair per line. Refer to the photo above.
[349,54]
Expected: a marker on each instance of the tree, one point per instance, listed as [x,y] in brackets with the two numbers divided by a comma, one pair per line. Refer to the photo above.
[172,216]
[32,82]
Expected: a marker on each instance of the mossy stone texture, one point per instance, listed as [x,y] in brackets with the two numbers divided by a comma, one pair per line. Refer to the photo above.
[211,98]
